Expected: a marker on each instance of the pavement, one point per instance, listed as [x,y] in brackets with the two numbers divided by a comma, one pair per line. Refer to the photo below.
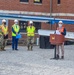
[36,62]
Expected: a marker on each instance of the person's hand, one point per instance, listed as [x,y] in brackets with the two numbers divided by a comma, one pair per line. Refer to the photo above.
[59,31]
[16,33]
[5,34]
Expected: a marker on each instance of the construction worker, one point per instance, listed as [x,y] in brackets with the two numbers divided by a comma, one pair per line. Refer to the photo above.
[30,35]
[62,31]
[15,32]
[4,29]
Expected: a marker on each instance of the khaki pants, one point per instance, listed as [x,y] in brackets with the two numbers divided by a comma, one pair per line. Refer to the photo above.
[1,41]
[30,42]
[62,49]
[4,43]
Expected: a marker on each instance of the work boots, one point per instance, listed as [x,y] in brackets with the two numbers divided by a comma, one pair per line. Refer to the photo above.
[31,46]
[57,56]
[28,47]
[62,57]
[3,49]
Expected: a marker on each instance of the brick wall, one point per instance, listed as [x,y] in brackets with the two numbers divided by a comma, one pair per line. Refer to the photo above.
[66,6]
[16,5]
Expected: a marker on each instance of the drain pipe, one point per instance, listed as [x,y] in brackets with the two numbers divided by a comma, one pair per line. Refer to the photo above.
[50,13]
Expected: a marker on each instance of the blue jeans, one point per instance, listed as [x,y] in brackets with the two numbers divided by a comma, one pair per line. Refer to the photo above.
[14,42]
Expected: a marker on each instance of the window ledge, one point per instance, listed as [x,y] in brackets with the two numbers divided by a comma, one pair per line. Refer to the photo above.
[38,3]
[58,4]
[24,2]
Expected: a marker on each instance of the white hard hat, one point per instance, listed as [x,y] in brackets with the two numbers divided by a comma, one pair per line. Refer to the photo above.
[30,22]
[60,22]
[3,20]
[16,21]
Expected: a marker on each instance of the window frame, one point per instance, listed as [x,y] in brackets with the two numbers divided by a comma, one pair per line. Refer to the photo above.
[37,2]
[22,1]
[37,26]
[23,24]
[58,1]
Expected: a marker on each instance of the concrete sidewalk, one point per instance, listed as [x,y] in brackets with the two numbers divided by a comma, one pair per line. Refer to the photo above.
[36,62]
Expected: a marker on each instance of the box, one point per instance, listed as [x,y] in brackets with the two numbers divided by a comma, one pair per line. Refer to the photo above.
[56,39]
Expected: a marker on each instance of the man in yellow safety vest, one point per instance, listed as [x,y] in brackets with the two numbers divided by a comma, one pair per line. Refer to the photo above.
[30,35]
[15,32]
[4,29]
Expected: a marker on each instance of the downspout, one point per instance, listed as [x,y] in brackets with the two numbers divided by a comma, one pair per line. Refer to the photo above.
[50,13]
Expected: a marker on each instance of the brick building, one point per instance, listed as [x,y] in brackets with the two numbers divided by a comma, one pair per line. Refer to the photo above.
[59,9]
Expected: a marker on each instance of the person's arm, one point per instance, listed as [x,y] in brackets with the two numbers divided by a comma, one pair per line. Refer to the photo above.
[64,32]
[13,31]
[19,32]
[0,26]
[34,29]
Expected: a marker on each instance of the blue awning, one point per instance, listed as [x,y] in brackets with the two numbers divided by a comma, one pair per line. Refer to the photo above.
[35,18]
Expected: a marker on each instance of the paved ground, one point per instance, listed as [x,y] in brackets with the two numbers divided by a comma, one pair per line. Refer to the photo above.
[36,62]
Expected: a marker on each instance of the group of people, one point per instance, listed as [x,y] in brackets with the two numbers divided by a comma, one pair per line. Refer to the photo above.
[30,36]
[15,32]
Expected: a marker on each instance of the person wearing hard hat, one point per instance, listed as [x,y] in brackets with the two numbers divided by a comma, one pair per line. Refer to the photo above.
[62,31]
[4,29]
[15,32]
[30,35]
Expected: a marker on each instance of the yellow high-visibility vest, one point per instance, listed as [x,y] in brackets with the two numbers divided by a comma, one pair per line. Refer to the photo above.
[1,33]
[30,31]
[4,29]
[16,29]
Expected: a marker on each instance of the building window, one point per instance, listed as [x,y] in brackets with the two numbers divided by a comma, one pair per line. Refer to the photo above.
[37,1]
[58,1]
[37,26]
[24,0]
[24,24]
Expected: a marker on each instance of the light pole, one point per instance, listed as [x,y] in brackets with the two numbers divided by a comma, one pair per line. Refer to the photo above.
[51,26]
